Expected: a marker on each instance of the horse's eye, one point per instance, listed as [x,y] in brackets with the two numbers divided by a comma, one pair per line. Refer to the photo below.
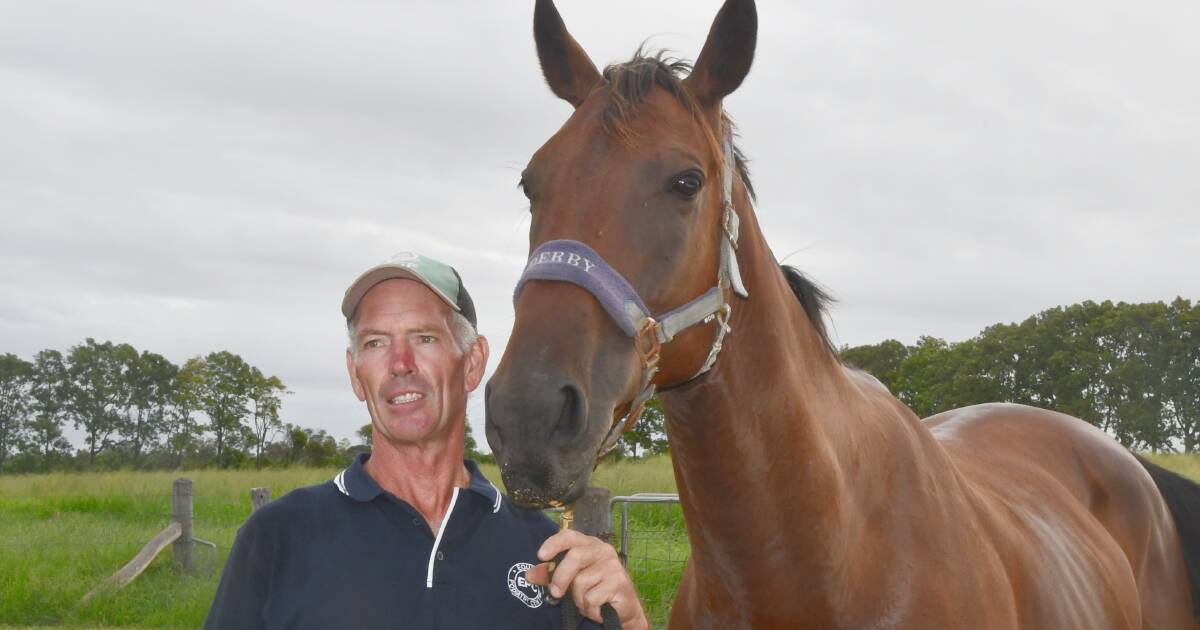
[687,184]
[524,188]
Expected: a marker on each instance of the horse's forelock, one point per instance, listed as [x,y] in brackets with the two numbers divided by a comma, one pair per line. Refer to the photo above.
[630,83]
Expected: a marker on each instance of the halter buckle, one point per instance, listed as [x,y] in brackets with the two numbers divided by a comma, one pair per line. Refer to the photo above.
[646,343]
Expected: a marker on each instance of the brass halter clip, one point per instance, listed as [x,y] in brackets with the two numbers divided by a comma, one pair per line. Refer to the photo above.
[565,522]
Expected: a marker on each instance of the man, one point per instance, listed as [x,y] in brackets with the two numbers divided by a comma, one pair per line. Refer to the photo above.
[411,536]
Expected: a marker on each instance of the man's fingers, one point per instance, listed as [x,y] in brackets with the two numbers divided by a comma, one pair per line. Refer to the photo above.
[567,571]
[585,590]
[592,572]
[539,574]
[591,589]
[581,551]
[562,541]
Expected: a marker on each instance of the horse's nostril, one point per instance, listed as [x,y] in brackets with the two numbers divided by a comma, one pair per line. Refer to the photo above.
[571,418]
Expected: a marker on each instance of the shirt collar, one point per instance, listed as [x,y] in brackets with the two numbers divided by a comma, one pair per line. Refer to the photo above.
[480,485]
[355,483]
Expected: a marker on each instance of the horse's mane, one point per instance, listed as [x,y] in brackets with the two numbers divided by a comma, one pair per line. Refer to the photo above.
[630,83]
[813,299]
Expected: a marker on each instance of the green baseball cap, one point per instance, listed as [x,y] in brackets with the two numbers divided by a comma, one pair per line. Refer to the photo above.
[441,278]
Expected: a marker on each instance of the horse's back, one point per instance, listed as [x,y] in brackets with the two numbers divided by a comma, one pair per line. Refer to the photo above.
[1073,513]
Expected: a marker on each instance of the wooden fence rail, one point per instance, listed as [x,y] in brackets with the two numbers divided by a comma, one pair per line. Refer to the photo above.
[178,534]
[139,563]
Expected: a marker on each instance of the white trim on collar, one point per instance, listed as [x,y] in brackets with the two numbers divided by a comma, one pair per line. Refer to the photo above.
[340,482]
[496,507]
[438,540]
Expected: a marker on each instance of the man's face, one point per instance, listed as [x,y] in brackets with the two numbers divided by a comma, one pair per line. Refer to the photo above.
[409,368]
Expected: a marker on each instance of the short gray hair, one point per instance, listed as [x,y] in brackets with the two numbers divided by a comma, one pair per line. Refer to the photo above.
[460,327]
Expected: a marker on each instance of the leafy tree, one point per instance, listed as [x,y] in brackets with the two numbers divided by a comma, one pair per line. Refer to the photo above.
[1131,369]
[1140,335]
[649,434]
[881,360]
[182,429]
[151,382]
[366,434]
[265,395]
[320,448]
[97,391]
[923,380]
[15,403]
[295,440]
[223,395]
[1181,391]
[49,393]
[471,447]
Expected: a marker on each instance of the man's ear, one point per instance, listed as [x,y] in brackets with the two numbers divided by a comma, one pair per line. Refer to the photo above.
[359,390]
[477,358]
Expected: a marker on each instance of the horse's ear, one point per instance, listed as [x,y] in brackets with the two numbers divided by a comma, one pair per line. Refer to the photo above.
[567,68]
[725,60]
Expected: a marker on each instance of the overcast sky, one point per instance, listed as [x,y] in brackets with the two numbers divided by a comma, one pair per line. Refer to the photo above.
[202,176]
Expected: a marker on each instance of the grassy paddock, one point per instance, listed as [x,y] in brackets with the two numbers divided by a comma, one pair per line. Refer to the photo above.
[60,534]
[1186,464]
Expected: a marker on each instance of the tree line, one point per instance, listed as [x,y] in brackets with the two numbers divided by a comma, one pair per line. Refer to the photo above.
[137,409]
[1132,370]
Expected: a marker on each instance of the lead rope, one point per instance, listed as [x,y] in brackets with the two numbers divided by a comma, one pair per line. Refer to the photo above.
[571,617]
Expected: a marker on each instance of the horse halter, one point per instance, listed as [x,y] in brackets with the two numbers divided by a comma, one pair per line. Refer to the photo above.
[575,262]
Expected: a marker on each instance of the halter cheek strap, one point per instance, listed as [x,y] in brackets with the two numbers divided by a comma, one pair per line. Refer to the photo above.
[575,262]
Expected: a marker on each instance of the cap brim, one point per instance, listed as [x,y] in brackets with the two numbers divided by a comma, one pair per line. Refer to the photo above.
[377,274]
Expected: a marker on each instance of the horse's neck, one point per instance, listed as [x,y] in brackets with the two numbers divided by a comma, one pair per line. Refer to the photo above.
[781,452]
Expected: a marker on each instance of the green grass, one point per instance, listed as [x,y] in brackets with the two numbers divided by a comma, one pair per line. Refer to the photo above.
[1186,464]
[61,534]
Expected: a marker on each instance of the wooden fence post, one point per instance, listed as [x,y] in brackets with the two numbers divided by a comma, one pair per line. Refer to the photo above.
[181,512]
[259,497]
[593,513]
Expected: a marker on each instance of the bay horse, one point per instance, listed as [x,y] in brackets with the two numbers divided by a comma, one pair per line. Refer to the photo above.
[813,498]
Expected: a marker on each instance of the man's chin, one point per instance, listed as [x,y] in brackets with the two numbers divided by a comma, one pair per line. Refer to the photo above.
[406,430]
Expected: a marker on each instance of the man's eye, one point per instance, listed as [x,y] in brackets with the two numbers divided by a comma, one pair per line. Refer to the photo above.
[427,338]
[373,343]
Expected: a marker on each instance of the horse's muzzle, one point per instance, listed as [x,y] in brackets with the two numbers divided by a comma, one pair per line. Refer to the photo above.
[538,435]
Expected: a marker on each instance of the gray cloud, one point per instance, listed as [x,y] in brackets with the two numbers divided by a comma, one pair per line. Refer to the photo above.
[191,178]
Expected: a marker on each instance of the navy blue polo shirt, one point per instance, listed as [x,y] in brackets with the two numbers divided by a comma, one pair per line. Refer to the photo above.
[347,554]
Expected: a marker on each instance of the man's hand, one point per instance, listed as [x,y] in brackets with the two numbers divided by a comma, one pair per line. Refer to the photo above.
[593,574]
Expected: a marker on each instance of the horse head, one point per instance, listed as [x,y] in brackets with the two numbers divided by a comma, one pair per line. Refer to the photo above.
[632,265]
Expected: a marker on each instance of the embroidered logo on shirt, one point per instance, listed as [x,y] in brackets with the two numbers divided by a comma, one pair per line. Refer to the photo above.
[530,594]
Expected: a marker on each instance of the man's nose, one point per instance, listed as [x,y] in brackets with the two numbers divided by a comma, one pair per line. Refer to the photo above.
[401,359]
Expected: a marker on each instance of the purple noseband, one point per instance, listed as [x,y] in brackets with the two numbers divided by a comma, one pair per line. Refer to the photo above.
[575,262]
